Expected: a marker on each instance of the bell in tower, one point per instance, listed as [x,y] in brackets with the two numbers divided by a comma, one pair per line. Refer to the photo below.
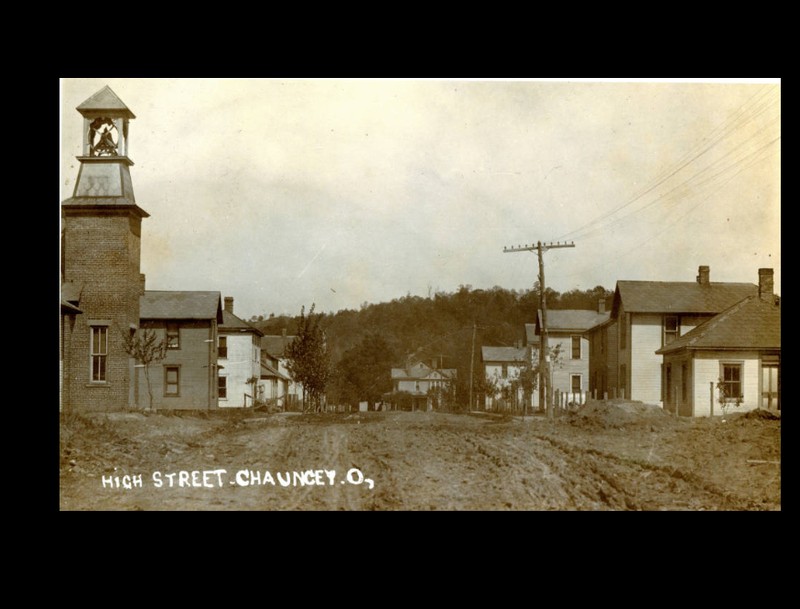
[104,163]
[101,251]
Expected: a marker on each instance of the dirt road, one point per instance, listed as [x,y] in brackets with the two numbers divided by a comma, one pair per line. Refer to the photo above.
[417,461]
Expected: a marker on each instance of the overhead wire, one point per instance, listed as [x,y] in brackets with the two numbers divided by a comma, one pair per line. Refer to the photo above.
[742,117]
[688,183]
[650,238]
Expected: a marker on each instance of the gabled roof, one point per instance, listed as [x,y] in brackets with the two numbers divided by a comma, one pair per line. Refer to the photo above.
[232,323]
[180,305]
[504,354]
[602,324]
[570,320]
[276,345]
[71,291]
[268,371]
[530,336]
[678,296]
[750,324]
[420,371]
[67,308]
[105,99]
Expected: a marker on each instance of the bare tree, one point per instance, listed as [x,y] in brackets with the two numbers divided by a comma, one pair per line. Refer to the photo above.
[147,348]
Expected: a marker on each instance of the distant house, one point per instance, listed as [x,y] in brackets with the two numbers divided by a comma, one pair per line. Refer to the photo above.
[275,384]
[648,315]
[279,384]
[503,367]
[424,383]
[187,378]
[741,347]
[239,361]
[566,332]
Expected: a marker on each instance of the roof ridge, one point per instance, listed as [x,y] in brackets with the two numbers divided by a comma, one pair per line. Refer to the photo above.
[684,282]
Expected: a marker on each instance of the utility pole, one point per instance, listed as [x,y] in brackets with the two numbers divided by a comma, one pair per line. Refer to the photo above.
[544,356]
[472,364]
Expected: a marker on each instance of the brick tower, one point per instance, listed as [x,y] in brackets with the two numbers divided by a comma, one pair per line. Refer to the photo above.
[100,256]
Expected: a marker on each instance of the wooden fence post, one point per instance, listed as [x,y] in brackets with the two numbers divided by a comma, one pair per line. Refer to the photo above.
[711,387]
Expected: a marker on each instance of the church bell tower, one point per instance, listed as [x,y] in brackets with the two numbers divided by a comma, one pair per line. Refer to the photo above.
[101,247]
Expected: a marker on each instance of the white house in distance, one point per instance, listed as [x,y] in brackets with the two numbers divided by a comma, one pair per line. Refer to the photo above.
[275,384]
[566,330]
[422,381]
[287,393]
[238,361]
[502,366]
[740,347]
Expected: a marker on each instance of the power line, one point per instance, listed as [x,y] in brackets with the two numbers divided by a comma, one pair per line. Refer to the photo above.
[687,182]
[727,130]
[650,238]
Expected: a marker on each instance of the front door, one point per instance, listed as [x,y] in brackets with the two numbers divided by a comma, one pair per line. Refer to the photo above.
[770,387]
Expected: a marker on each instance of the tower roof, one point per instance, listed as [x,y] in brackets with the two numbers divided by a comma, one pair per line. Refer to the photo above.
[105,101]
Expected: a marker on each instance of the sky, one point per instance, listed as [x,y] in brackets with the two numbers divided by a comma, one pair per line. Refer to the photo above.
[288,192]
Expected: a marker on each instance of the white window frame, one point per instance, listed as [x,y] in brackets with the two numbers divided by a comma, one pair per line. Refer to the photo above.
[580,383]
[739,364]
[572,349]
[676,332]
[93,327]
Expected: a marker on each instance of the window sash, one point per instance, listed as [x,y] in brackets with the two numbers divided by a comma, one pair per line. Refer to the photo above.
[576,378]
[99,353]
[172,377]
[222,387]
[222,347]
[173,336]
[576,347]
[732,381]
[672,328]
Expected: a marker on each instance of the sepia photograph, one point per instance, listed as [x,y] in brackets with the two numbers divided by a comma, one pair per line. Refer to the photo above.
[352,294]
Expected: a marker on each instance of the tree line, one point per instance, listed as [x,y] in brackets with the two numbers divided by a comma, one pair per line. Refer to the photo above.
[349,354]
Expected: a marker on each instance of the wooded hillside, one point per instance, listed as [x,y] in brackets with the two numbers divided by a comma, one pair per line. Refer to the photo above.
[365,344]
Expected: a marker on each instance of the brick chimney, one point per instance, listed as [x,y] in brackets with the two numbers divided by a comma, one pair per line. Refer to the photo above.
[766,282]
[703,275]
[601,305]
[229,304]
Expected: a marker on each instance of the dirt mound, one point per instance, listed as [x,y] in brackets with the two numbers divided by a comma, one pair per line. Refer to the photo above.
[618,413]
[760,414]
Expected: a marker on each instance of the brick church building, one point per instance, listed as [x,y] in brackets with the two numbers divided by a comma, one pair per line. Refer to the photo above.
[103,288]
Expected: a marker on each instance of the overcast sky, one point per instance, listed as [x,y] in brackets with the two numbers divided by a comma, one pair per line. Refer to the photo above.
[281,193]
